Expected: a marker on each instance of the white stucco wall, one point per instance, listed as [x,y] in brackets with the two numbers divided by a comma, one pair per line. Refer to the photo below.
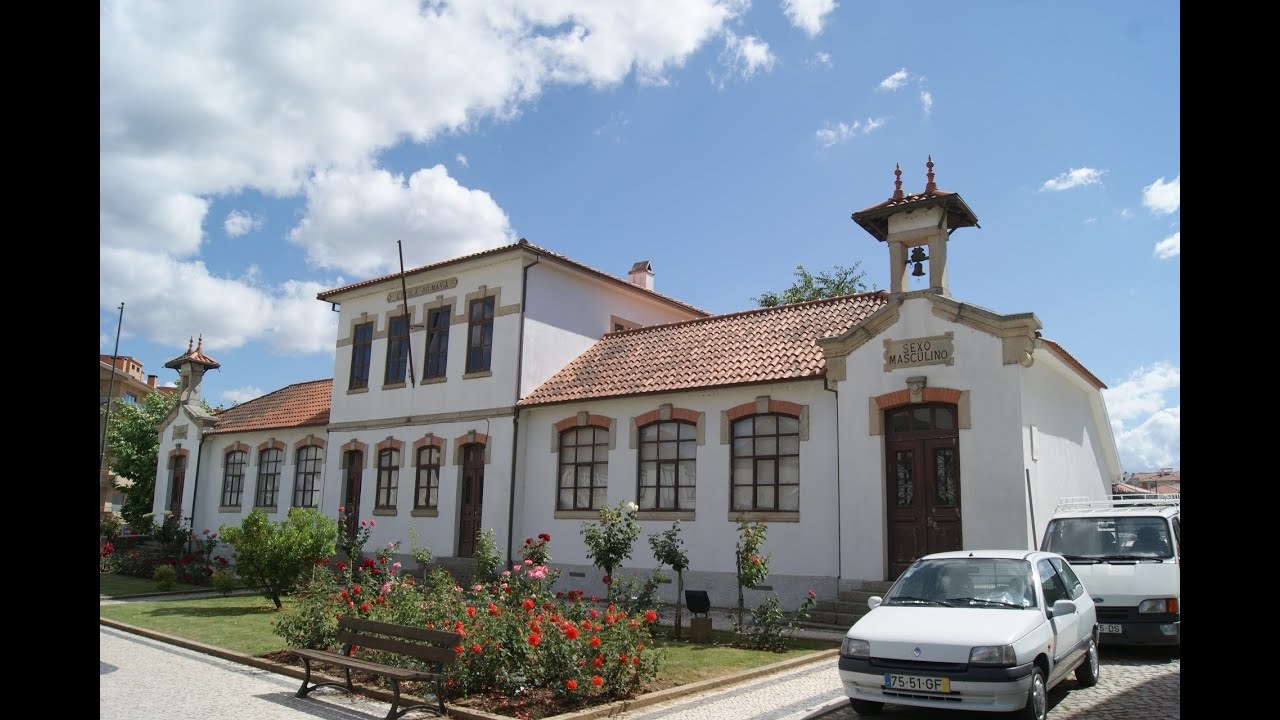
[804,552]
[1065,452]
[992,500]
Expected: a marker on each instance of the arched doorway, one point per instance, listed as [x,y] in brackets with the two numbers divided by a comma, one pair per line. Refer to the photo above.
[922,469]
[471,498]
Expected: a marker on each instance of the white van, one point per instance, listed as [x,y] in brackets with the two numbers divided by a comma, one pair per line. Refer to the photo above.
[1126,551]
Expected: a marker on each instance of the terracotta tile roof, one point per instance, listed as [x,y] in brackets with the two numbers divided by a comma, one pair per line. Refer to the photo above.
[297,405]
[520,244]
[193,355]
[765,345]
[875,219]
[1071,361]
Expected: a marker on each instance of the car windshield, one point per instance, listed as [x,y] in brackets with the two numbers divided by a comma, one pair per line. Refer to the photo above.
[965,582]
[1103,539]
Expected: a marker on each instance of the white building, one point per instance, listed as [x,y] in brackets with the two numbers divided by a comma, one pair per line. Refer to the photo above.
[865,430]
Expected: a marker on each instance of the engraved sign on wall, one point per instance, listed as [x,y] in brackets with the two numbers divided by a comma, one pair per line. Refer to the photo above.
[431,287]
[914,352]
[179,432]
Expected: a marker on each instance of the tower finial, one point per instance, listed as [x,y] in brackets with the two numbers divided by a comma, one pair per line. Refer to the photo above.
[200,343]
[930,186]
[897,181]
[190,340]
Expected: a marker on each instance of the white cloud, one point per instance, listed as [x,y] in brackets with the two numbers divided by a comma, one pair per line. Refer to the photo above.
[1126,214]
[243,394]
[1169,247]
[808,15]
[1073,178]
[1145,417]
[840,132]
[896,80]
[238,223]
[926,101]
[461,160]
[820,58]
[1090,220]
[353,220]
[1163,197]
[744,57]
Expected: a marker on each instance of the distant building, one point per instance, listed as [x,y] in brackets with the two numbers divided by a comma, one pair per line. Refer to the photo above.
[1164,481]
[130,385]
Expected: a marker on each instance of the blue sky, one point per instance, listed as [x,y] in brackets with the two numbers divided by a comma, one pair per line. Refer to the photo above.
[255,153]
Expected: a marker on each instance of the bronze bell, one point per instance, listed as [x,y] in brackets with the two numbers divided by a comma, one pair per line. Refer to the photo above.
[918,257]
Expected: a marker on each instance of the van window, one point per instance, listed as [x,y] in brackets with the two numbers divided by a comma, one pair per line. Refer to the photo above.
[1101,538]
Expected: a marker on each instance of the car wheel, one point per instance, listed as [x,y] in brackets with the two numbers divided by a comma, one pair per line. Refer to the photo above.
[1037,707]
[1087,671]
[866,707]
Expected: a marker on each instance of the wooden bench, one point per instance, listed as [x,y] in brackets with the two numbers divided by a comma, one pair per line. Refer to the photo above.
[433,646]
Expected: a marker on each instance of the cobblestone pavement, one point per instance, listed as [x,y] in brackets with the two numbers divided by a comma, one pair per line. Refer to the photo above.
[1135,684]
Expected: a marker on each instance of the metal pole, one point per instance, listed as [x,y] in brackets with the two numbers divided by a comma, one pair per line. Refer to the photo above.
[115,358]
[408,349]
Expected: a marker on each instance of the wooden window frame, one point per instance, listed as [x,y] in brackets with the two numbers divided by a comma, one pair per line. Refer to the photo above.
[756,459]
[388,486]
[396,367]
[268,486]
[430,471]
[658,462]
[307,472]
[436,361]
[480,314]
[232,481]
[596,468]
[361,356]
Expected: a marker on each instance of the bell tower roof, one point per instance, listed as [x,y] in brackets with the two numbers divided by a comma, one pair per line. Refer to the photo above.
[875,219]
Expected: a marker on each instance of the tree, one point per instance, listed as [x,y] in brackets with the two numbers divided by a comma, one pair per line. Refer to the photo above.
[609,541]
[668,549]
[839,281]
[275,557]
[134,444]
[752,567]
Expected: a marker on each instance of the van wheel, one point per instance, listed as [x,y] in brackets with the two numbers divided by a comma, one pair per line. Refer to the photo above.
[1087,671]
[1037,707]
[866,707]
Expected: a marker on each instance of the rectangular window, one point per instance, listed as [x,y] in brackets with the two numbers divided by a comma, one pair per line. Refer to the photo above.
[765,469]
[361,347]
[426,489]
[437,341]
[268,477]
[176,480]
[306,482]
[479,334]
[584,469]
[131,398]
[397,350]
[388,479]
[233,477]
[667,462]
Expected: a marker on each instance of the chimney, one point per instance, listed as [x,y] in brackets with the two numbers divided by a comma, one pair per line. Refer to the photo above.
[642,275]
[151,381]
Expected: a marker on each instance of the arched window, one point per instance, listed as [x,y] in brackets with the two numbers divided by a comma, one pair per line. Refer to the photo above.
[233,477]
[306,480]
[584,468]
[388,479]
[426,488]
[766,464]
[665,480]
[268,477]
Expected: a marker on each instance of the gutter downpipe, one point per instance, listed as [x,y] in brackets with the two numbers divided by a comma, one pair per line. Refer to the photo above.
[195,489]
[515,416]
[839,507]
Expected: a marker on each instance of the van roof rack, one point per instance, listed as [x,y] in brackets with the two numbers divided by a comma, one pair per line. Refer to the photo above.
[1117,502]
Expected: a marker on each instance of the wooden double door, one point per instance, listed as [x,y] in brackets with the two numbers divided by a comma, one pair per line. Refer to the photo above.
[922,475]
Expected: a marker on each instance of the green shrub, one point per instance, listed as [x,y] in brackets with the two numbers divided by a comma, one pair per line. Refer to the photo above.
[486,554]
[609,541]
[223,580]
[276,557]
[770,628]
[165,576]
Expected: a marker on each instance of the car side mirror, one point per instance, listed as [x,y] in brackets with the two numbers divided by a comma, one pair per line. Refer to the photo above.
[874,601]
[1062,607]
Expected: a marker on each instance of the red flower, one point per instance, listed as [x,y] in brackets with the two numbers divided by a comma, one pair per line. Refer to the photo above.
[598,661]
[471,611]
[457,649]
[571,684]
[606,580]
[475,648]
[493,610]
[650,615]
[528,541]
[571,632]
[594,613]
[755,559]
[639,646]
[813,594]
[527,604]
[597,681]
[356,589]
[534,639]
[544,537]
[636,661]
[344,595]
[339,616]
[364,607]
[595,641]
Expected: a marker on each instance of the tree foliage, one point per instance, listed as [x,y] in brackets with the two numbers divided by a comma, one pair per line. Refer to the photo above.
[609,541]
[133,445]
[276,557]
[668,549]
[840,280]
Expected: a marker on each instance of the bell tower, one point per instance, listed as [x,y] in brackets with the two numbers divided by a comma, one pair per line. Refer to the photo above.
[191,367]
[916,228]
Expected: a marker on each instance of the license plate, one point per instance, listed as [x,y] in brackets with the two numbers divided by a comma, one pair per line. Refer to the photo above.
[1111,629]
[917,683]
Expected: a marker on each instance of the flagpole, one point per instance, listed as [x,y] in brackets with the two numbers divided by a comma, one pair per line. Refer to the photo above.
[115,358]
[404,291]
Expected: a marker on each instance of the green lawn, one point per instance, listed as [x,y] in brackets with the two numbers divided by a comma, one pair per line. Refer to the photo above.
[243,623]
[112,585]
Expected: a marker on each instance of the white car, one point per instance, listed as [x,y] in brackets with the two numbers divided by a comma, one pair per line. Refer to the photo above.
[985,630]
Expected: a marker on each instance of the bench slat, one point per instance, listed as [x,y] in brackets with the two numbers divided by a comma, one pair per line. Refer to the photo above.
[440,637]
[403,647]
[355,663]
